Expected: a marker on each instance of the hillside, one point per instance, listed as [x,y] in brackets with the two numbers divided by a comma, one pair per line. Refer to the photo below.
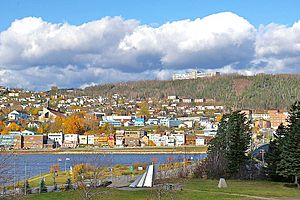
[262,91]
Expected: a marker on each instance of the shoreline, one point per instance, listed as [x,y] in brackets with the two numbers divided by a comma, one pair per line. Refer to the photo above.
[157,150]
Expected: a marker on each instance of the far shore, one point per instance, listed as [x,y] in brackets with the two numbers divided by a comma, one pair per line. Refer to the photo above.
[137,150]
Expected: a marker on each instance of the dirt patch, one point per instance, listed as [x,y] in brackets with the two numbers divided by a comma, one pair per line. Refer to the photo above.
[240,85]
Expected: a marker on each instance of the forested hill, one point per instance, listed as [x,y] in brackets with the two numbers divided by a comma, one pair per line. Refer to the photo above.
[262,91]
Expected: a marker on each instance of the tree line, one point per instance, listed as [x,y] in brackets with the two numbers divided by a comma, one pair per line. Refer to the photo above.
[241,92]
[230,154]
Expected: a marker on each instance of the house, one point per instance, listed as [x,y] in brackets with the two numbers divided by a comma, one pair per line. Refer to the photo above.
[187,100]
[210,130]
[170,122]
[145,141]
[262,123]
[70,140]
[277,117]
[158,139]
[83,139]
[103,140]
[114,123]
[119,138]
[179,138]
[91,139]
[201,100]
[26,132]
[152,121]
[57,138]
[260,114]
[6,141]
[190,139]
[200,141]
[17,115]
[49,115]
[133,138]
[139,122]
[111,140]
[34,141]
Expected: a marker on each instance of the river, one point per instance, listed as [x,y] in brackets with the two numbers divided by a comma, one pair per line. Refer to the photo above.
[22,166]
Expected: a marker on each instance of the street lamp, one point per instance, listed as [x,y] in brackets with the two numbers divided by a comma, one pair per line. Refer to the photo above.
[66,163]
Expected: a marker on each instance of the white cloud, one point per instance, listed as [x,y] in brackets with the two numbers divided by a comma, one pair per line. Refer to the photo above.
[36,54]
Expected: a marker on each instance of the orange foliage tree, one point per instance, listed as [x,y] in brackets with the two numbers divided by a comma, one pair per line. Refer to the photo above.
[74,124]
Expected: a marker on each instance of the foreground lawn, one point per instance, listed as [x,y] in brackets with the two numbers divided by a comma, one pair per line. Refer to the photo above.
[194,189]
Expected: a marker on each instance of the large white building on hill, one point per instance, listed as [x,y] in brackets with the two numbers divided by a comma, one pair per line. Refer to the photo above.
[194,75]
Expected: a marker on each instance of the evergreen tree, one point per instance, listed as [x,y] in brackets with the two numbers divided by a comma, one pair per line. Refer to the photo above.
[273,154]
[43,187]
[290,156]
[69,185]
[230,145]
[27,187]
[238,141]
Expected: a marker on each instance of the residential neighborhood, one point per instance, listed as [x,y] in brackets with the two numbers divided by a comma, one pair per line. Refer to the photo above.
[63,120]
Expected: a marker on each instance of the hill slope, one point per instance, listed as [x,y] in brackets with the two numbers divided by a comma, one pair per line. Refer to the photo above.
[256,92]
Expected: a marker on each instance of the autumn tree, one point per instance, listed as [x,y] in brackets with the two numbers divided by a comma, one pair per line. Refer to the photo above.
[14,127]
[74,124]
[91,123]
[107,128]
[57,125]
[2,126]
[143,110]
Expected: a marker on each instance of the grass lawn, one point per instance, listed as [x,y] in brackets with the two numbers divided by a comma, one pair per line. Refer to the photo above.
[194,189]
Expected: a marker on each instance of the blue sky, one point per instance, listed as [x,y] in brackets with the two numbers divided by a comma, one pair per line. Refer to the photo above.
[72,43]
[148,11]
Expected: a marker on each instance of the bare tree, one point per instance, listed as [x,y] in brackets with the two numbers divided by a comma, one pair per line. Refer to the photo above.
[89,178]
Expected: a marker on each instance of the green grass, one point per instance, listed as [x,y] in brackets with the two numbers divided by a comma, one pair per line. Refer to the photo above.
[194,189]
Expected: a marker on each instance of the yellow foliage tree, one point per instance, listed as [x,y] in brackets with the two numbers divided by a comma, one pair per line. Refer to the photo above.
[219,118]
[144,110]
[14,127]
[2,126]
[43,129]
[57,125]
[74,124]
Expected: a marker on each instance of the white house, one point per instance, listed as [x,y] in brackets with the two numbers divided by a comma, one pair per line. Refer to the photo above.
[17,115]
[56,137]
[200,141]
[179,139]
[170,122]
[73,138]
[83,139]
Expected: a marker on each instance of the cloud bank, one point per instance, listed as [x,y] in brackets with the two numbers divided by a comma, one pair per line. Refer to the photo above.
[36,54]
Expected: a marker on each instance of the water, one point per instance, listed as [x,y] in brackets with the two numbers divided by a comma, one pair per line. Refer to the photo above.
[20,167]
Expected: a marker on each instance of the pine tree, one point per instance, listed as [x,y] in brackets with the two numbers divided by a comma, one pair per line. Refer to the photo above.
[238,141]
[290,156]
[273,154]
[43,187]
[69,185]
[230,144]
[27,187]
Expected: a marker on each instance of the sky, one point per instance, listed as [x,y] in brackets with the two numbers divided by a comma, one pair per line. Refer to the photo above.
[77,43]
